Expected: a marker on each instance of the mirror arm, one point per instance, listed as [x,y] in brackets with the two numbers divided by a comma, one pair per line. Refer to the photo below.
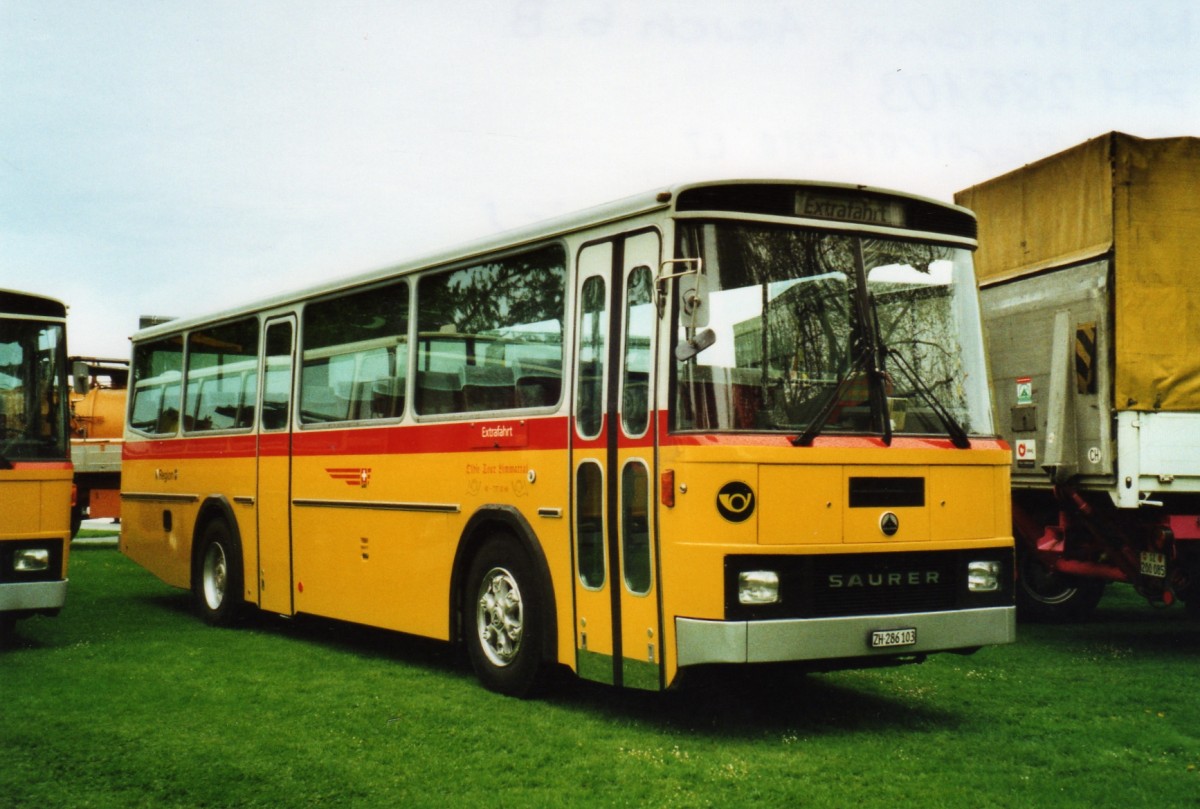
[660,283]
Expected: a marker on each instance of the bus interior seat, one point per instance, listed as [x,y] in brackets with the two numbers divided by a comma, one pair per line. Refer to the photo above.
[539,383]
[387,397]
[487,387]
[320,404]
[438,392]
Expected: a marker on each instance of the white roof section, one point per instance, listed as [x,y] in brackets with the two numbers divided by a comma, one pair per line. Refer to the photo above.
[629,207]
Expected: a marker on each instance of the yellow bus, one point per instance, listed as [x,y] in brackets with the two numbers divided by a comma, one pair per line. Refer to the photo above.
[35,461]
[720,423]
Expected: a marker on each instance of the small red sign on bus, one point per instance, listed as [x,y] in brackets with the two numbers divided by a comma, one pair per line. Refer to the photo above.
[498,434]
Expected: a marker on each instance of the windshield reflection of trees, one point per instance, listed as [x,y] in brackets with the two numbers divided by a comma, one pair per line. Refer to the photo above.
[796,333]
[521,290]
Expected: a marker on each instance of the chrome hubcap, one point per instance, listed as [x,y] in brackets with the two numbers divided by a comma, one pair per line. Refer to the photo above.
[215,576]
[499,617]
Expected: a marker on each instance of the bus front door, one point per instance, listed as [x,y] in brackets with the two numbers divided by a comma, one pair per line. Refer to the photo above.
[275,468]
[617,617]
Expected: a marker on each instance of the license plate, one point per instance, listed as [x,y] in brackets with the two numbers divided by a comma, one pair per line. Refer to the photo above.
[1154,564]
[887,638]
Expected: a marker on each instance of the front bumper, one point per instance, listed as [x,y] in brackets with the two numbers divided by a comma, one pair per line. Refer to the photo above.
[773,641]
[34,596]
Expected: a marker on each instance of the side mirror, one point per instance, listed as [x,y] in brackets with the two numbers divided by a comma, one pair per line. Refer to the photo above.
[689,348]
[80,373]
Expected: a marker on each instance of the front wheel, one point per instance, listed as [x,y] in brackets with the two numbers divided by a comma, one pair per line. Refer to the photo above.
[1046,595]
[503,618]
[217,575]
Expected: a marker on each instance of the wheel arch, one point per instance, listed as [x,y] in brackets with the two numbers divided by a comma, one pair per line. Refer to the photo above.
[483,524]
[216,507]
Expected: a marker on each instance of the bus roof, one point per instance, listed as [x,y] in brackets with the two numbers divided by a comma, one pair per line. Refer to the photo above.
[629,207]
[13,302]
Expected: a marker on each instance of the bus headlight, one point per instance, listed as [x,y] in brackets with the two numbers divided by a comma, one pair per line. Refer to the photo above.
[983,577]
[31,560]
[758,587]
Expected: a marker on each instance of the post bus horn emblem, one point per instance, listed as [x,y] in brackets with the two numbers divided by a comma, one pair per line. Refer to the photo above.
[889,523]
[735,501]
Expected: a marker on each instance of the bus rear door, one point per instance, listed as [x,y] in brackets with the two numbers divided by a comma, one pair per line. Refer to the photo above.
[275,467]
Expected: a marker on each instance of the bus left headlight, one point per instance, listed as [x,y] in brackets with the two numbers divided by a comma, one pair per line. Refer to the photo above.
[31,560]
[758,587]
[983,577]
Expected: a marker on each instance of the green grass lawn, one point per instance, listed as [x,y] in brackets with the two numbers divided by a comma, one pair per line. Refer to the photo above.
[127,700]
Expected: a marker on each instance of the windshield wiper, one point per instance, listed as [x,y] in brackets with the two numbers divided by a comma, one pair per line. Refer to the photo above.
[830,401]
[870,358]
[958,436]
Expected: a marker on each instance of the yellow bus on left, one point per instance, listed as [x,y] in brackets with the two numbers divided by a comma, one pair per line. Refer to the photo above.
[35,461]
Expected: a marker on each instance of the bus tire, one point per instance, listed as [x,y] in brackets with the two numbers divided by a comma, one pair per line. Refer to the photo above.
[217,575]
[503,619]
[1044,595]
[77,516]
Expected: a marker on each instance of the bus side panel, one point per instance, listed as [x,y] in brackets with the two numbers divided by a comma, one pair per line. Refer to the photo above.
[369,564]
[375,536]
[155,534]
[165,486]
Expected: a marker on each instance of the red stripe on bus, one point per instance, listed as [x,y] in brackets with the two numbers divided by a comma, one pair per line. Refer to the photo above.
[828,442]
[40,465]
[469,436]
[464,436]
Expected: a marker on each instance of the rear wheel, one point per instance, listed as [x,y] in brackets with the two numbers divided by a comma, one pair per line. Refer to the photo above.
[1046,595]
[217,575]
[504,619]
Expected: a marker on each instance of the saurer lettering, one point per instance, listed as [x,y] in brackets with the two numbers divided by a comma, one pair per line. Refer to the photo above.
[912,578]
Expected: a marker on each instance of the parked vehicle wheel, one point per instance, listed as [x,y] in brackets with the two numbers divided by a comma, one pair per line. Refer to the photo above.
[76,519]
[8,630]
[217,575]
[1045,595]
[503,619]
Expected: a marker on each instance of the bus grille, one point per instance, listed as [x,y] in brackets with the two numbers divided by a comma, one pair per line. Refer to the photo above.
[839,585]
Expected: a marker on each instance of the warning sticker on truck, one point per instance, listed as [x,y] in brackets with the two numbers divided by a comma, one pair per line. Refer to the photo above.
[1024,391]
[1025,451]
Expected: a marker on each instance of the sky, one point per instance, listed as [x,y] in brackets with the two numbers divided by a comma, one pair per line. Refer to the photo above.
[180,157]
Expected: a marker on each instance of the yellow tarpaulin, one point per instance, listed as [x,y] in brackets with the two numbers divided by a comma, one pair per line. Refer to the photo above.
[1136,201]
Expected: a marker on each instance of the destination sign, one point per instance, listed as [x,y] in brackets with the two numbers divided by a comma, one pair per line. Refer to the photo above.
[849,208]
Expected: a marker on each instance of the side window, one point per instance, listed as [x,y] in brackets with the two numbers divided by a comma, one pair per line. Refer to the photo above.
[277,380]
[355,356]
[589,524]
[639,323]
[593,348]
[157,372]
[635,527]
[489,337]
[222,377]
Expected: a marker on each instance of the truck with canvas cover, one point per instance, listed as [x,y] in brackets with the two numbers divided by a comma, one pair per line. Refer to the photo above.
[1088,265]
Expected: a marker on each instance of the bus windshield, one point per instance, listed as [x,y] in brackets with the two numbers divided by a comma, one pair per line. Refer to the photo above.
[32,396]
[814,332]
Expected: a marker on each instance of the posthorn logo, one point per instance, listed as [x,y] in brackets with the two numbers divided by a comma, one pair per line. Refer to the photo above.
[735,501]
